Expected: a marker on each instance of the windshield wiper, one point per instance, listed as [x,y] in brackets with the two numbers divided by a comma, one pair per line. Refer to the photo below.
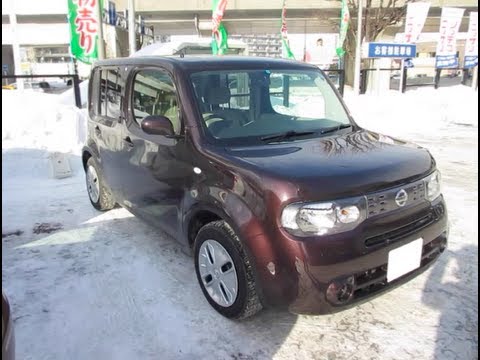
[335,128]
[286,135]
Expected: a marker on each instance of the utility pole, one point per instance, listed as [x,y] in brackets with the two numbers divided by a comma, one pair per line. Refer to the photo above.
[358,50]
[132,41]
[101,41]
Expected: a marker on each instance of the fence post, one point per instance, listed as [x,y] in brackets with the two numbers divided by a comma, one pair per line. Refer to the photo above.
[363,81]
[464,76]
[437,77]
[404,79]
[341,85]
[76,85]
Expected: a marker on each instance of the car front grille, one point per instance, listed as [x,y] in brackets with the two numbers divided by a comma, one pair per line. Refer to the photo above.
[384,201]
[427,219]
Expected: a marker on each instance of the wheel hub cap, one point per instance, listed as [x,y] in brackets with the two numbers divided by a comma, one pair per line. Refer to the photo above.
[218,273]
[93,186]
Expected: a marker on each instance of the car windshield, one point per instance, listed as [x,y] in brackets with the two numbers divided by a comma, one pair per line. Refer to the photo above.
[250,106]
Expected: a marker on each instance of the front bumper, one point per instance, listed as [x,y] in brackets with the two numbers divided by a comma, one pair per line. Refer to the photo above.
[368,283]
[306,269]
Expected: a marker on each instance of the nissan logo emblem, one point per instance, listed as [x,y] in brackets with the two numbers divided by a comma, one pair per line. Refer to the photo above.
[401,198]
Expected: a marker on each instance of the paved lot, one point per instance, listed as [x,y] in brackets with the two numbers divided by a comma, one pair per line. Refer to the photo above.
[107,286]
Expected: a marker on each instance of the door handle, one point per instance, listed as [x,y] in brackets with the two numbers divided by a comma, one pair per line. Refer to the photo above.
[128,141]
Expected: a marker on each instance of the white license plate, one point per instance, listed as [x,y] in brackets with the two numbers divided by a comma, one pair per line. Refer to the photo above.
[404,259]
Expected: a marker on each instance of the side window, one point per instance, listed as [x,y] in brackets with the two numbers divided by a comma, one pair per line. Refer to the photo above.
[154,94]
[111,87]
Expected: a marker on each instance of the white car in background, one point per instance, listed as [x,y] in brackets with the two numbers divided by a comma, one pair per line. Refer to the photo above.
[198,47]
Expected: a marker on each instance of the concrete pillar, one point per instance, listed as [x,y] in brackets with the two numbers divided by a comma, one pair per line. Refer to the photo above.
[17,62]
[132,37]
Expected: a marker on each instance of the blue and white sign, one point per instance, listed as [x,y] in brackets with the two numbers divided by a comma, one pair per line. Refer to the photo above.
[391,50]
[471,61]
[446,61]
[112,13]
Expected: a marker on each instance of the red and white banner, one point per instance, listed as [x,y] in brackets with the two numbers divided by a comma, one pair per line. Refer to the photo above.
[471,44]
[447,41]
[415,20]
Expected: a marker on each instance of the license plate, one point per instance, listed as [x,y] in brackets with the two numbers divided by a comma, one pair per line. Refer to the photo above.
[404,259]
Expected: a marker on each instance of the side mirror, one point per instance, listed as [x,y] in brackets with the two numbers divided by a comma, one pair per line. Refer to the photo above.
[158,125]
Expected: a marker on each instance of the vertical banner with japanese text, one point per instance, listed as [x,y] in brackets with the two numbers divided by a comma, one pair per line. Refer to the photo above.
[450,21]
[82,17]
[415,20]
[344,21]
[471,44]
[219,32]
[286,51]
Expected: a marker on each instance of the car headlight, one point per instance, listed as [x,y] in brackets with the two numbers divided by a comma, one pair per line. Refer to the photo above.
[434,186]
[323,218]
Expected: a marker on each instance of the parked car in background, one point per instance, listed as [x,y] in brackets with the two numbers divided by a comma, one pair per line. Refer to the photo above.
[52,86]
[257,167]
[199,47]
[8,337]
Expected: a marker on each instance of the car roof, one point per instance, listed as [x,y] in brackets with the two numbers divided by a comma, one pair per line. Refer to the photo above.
[199,63]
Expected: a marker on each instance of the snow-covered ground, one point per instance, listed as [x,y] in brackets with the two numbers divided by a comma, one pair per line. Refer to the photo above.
[107,286]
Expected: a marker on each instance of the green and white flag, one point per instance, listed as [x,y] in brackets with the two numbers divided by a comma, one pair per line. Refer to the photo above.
[219,33]
[344,20]
[83,29]
[286,51]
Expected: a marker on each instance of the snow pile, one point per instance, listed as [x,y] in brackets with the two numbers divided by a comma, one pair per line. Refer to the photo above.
[68,97]
[417,111]
[32,120]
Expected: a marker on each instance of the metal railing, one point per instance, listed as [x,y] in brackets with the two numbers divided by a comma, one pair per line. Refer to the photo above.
[75,83]
[436,81]
[364,76]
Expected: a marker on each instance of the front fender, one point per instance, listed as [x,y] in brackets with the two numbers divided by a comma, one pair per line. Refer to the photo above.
[246,212]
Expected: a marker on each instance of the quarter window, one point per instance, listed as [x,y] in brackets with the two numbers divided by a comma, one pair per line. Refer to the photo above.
[109,95]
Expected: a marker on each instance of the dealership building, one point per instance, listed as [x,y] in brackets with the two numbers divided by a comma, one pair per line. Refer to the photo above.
[41,32]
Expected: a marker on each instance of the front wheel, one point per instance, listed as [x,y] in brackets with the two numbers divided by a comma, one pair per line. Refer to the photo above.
[225,272]
[98,191]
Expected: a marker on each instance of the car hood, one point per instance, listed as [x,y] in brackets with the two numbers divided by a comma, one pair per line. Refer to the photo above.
[336,166]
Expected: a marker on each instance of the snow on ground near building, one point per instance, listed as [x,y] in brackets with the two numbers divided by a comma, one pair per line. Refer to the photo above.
[108,286]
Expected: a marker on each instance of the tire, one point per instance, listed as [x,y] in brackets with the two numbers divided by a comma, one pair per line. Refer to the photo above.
[104,200]
[246,302]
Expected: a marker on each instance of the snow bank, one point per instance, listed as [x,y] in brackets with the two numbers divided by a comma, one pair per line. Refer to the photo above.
[68,97]
[417,111]
[32,120]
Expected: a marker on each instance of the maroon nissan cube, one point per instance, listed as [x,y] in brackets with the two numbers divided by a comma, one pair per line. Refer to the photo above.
[256,166]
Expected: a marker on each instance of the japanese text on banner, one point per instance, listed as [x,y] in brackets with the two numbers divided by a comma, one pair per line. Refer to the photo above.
[447,42]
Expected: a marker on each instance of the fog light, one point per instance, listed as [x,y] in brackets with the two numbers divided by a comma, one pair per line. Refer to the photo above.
[341,291]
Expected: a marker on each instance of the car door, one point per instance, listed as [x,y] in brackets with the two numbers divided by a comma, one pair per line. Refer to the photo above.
[159,166]
[106,128]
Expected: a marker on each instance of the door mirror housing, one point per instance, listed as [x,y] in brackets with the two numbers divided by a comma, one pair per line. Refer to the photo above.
[158,125]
